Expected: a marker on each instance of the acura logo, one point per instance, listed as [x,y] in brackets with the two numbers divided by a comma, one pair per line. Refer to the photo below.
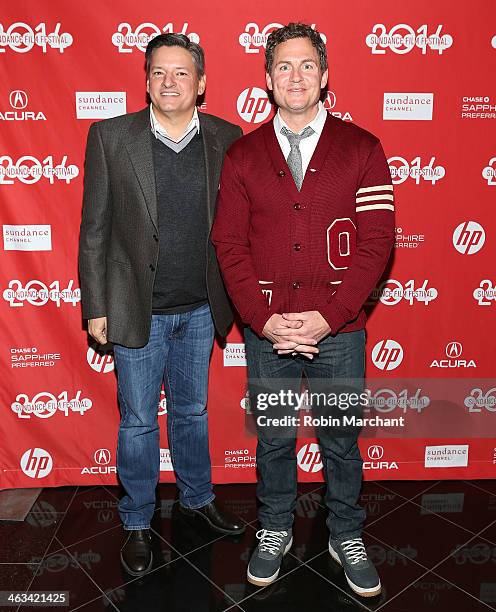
[18,99]
[453,350]
[102,456]
[375,452]
[330,101]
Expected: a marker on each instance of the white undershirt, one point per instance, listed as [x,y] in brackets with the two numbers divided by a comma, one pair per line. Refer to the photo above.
[158,128]
[307,145]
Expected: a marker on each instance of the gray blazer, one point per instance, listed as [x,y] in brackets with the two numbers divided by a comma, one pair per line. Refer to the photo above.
[118,244]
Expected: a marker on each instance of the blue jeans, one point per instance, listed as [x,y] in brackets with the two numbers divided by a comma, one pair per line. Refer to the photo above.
[340,357]
[177,353]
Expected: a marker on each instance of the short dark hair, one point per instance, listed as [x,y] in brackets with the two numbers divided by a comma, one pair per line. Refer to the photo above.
[176,40]
[294,30]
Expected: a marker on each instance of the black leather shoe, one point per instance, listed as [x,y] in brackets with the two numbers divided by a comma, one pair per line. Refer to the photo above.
[136,554]
[218,518]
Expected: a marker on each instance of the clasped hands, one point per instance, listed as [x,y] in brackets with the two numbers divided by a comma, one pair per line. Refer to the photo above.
[296,332]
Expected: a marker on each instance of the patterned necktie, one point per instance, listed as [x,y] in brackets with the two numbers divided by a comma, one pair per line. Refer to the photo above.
[294,157]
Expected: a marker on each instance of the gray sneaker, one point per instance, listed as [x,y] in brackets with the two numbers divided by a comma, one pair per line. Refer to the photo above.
[266,559]
[358,569]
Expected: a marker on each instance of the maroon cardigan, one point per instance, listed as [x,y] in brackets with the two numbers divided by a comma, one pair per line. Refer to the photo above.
[323,248]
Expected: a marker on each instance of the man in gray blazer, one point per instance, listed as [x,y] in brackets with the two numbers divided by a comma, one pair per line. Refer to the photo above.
[150,283]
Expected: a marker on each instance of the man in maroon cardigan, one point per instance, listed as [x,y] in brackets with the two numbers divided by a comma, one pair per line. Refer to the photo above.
[303,231]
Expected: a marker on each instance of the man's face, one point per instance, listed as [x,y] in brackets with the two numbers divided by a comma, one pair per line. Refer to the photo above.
[296,77]
[173,82]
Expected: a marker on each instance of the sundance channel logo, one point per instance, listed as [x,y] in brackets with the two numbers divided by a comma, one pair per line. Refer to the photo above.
[454,455]
[100,104]
[408,106]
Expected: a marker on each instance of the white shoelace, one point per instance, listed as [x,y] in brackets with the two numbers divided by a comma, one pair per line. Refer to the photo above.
[270,541]
[354,550]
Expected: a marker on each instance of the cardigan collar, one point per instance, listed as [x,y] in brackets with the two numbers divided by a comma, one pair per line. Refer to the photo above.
[281,168]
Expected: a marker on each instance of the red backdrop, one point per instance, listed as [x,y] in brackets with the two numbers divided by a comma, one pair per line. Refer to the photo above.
[417,74]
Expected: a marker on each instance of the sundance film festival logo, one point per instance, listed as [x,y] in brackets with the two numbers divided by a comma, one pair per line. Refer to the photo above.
[386,400]
[59,562]
[402,39]
[36,463]
[127,38]
[309,458]
[469,237]
[401,170]
[408,106]
[485,294]
[21,37]
[489,172]
[29,170]
[253,38]
[387,355]
[453,352]
[99,360]
[18,100]
[38,293]
[44,404]
[478,400]
[391,292]
[253,105]
[330,104]
[379,555]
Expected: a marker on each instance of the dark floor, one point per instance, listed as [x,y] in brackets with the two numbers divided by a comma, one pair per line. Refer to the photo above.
[434,544]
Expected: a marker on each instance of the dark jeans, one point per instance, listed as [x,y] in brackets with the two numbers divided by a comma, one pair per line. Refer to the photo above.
[341,357]
[177,353]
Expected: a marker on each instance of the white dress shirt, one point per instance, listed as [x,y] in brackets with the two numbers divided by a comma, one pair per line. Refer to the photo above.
[160,132]
[307,145]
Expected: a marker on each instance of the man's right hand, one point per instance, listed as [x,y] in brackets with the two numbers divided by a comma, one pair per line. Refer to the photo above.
[304,346]
[97,328]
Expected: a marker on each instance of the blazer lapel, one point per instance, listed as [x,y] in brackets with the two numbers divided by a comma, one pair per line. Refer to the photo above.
[212,149]
[139,149]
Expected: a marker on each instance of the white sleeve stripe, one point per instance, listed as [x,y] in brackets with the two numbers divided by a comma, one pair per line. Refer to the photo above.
[375,207]
[376,188]
[372,198]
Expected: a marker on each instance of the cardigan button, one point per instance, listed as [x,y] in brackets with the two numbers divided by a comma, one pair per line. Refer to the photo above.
[152,267]
[296,285]
[297,246]
[297,206]
[281,173]
[155,237]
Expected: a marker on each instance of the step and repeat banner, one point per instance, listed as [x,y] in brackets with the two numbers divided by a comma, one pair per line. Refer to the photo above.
[419,75]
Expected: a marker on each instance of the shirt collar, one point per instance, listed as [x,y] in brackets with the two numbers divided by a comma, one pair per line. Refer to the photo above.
[317,124]
[157,128]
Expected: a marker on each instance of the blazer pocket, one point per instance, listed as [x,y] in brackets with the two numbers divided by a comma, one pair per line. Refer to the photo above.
[118,263]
